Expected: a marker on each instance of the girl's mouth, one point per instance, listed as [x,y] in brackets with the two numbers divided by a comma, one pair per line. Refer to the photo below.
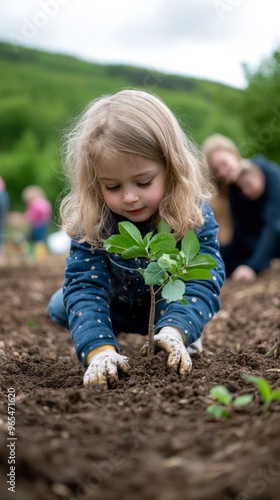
[135,212]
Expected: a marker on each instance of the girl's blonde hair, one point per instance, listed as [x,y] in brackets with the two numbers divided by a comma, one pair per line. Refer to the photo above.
[131,122]
[218,142]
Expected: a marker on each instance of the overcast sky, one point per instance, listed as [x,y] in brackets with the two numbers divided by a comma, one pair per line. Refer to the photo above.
[201,38]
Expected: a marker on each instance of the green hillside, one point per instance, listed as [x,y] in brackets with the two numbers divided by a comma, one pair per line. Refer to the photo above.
[40,93]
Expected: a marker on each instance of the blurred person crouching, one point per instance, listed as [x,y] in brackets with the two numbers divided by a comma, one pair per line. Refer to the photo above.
[252,187]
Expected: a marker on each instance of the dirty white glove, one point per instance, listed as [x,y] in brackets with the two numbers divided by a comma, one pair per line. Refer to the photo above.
[170,340]
[195,349]
[104,366]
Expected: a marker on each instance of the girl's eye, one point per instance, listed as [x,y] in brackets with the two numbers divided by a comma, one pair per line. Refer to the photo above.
[112,188]
[144,184]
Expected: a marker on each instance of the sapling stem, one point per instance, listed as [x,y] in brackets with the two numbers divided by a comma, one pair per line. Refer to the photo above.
[151,322]
[151,349]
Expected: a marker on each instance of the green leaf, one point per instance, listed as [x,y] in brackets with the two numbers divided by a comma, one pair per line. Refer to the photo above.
[153,274]
[194,274]
[162,243]
[190,245]
[147,238]
[129,230]
[117,244]
[129,237]
[275,395]
[163,227]
[217,411]
[243,400]
[174,290]
[265,390]
[134,251]
[222,394]
[167,263]
[262,385]
[202,260]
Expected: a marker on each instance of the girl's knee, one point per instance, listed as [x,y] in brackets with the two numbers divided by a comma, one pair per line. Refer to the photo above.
[56,309]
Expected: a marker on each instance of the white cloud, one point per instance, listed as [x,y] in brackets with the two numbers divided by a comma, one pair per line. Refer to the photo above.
[179,20]
[203,38]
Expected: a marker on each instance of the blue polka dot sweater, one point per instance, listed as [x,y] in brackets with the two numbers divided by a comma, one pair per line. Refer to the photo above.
[93,278]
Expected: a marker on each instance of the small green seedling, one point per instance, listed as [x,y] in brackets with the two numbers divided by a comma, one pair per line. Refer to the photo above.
[274,350]
[223,410]
[167,267]
[31,324]
[237,347]
[265,391]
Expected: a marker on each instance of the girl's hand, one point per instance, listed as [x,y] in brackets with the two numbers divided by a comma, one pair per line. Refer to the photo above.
[104,366]
[170,340]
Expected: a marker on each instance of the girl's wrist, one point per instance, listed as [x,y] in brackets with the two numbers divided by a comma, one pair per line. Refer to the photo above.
[98,349]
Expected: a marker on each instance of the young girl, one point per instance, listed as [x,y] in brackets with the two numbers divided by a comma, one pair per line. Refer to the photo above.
[128,159]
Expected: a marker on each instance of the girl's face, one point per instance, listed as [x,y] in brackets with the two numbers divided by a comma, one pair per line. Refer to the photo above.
[225,166]
[133,187]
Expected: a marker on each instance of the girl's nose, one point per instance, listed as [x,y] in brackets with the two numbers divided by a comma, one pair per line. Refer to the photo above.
[130,196]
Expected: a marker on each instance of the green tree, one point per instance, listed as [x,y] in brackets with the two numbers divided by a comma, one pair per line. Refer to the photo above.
[41,93]
[260,109]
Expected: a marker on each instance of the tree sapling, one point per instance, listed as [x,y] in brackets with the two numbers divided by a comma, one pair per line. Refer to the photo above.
[167,267]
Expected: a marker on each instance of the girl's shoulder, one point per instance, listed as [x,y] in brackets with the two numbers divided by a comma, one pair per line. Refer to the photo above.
[208,214]
[209,226]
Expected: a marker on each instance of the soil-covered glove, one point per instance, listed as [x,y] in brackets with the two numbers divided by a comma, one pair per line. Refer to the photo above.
[170,340]
[195,349]
[104,366]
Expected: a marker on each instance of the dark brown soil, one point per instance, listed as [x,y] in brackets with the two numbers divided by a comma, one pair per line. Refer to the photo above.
[149,438]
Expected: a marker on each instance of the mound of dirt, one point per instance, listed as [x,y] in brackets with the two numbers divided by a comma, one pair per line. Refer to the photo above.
[149,438]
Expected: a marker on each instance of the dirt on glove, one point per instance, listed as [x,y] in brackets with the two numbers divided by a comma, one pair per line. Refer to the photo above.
[149,438]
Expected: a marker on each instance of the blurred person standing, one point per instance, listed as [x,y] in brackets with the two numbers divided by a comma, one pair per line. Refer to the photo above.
[4,208]
[38,215]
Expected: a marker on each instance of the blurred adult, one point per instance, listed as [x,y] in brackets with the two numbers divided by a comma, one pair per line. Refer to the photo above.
[4,207]
[253,190]
[251,181]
